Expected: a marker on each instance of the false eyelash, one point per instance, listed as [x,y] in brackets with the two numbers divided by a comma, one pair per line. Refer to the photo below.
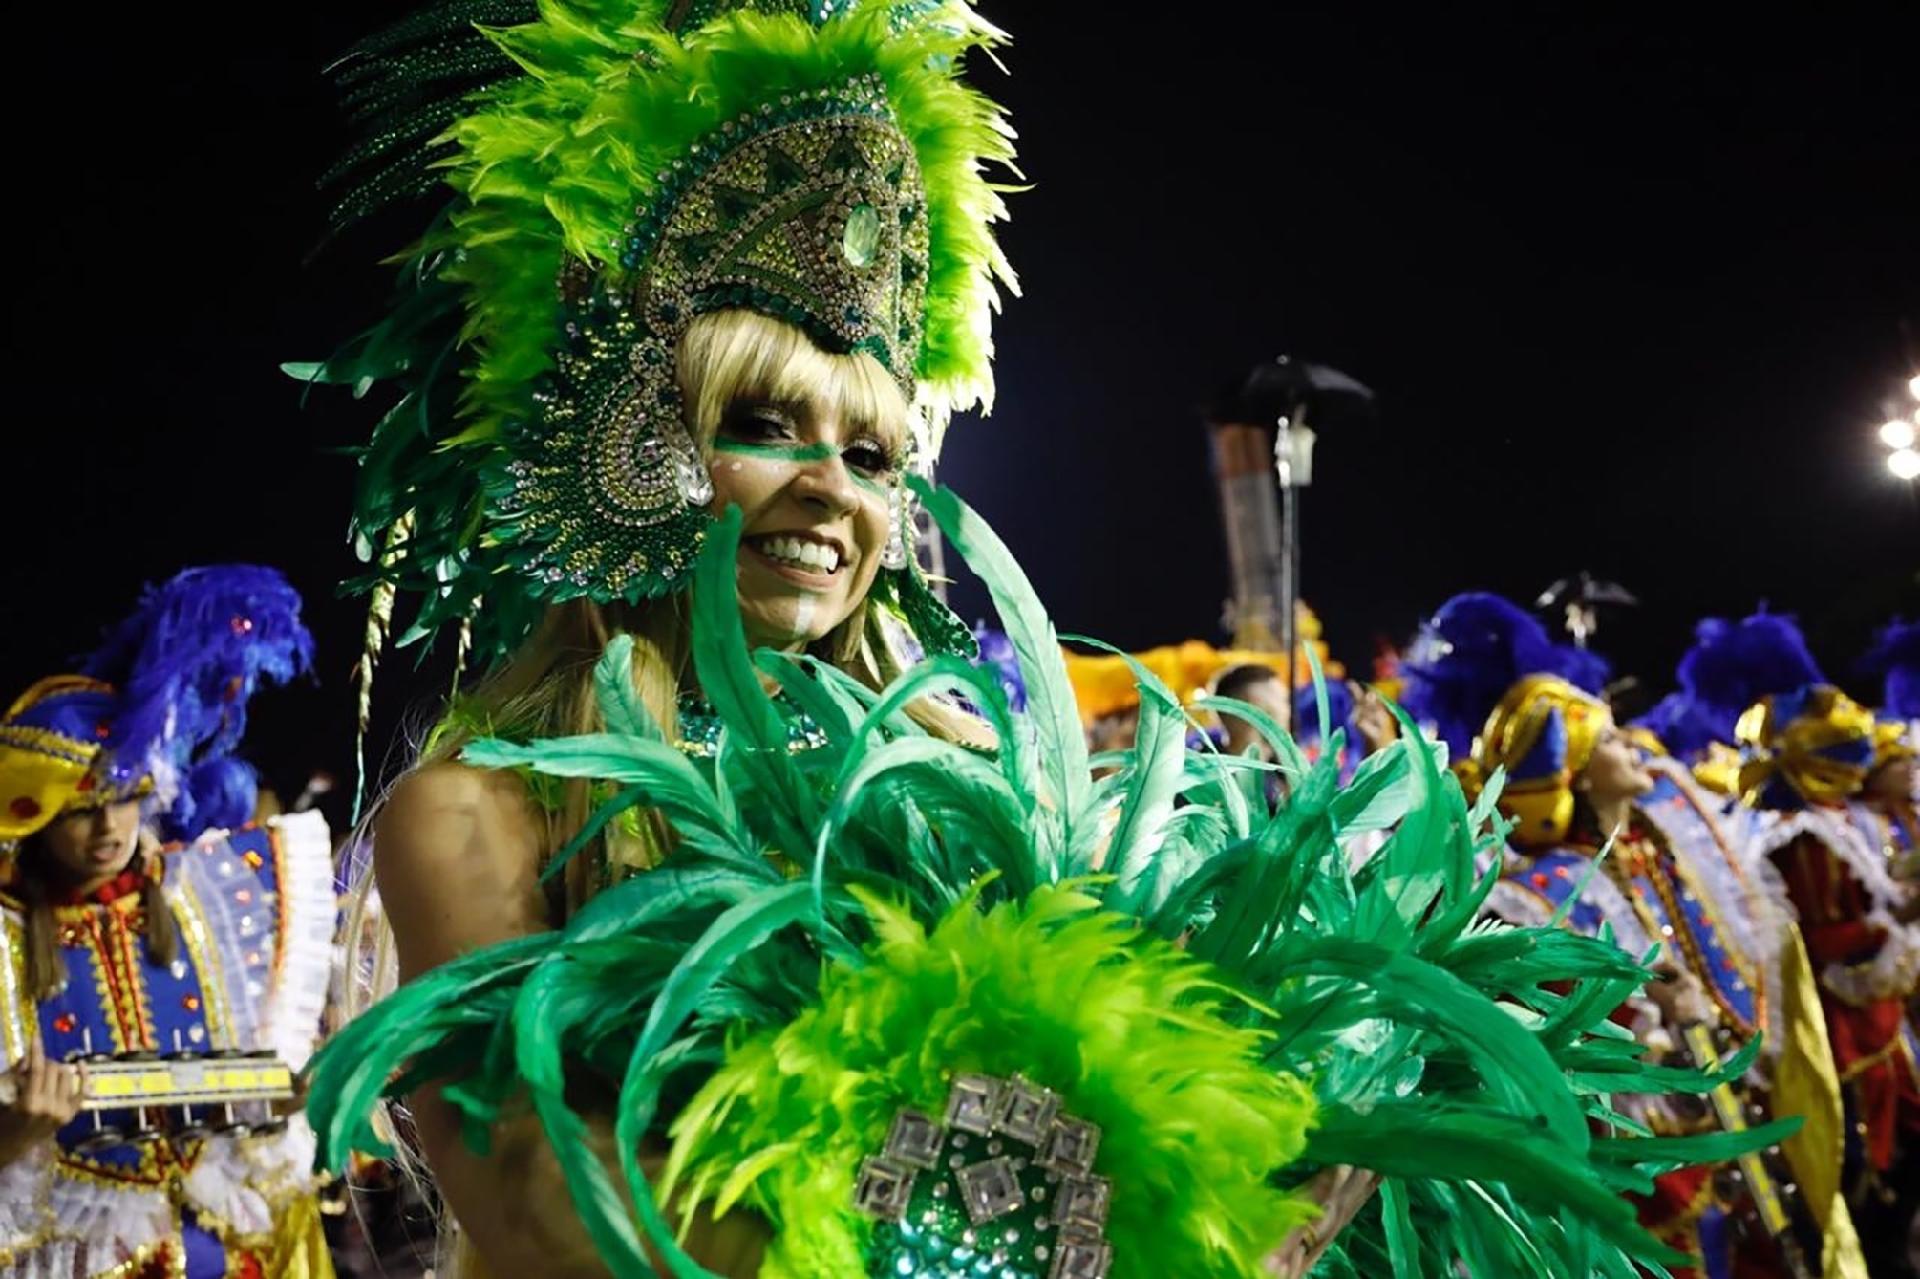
[890,459]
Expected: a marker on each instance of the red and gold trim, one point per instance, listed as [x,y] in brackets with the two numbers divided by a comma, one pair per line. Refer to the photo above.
[113,933]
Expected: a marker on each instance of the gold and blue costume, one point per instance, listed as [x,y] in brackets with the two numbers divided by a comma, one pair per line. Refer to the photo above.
[1674,879]
[254,911]
[227,998]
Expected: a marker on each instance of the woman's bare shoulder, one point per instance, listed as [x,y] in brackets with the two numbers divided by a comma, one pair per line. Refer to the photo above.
[456,853]
[448,787]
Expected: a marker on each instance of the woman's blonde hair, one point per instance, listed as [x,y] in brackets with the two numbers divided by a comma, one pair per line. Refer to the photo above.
[546,688]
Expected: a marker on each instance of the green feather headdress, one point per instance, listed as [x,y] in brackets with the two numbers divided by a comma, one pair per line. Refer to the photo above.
[923,1008]
[618,168]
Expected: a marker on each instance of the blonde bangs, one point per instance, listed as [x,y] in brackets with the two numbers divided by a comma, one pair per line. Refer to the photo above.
[727,356]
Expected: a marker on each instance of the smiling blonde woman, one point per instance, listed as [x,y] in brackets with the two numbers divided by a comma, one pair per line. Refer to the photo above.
[731,942]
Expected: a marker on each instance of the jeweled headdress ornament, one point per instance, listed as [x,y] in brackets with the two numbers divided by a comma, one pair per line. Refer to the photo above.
[620,168]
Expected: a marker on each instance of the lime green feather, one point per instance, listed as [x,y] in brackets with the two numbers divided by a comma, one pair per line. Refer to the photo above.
[555,163]
[1128,1030]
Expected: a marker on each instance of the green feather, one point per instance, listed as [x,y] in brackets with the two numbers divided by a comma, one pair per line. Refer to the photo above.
[1060,745]
[1157,765]
[736,931]
[964,793]
[620,704]
[731,686]
[667,778]
[1309,1015]
[1292,762]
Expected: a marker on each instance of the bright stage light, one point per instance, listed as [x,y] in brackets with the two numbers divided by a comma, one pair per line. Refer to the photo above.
[1904,463]
[1897,433]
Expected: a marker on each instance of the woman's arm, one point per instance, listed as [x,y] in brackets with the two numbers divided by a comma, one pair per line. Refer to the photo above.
[1341,1192]
[456,856]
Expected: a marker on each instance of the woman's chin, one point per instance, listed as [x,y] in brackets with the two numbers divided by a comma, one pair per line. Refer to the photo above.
[789,623]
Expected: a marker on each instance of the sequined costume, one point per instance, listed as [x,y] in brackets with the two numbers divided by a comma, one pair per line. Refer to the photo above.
[1010,1065]
[1806,753]
[255,913]
[242,972]
[1673,880]
[1667,882]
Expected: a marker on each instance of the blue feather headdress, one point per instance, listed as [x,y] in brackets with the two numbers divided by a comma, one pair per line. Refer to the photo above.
[1472,650]
[158,707]
[1733,665]
[1895,660]
[1683,726]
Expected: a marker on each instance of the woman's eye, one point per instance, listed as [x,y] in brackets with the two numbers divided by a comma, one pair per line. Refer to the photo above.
[757,424]
[868,458]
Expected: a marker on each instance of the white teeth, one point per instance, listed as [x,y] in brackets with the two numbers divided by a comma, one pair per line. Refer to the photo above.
[801,553]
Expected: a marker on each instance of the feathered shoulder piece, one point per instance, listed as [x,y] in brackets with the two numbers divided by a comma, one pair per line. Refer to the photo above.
[921,1008]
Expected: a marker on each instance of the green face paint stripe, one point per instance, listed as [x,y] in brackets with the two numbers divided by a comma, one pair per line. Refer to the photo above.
[799,453]
[818,452]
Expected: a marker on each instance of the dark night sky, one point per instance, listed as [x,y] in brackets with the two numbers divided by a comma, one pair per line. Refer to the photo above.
[1631,298]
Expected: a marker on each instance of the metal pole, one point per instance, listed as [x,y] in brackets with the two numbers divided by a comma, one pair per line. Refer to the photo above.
[1290,586]
[1289,549]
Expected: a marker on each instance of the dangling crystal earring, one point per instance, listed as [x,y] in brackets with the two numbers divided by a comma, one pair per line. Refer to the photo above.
[690,476]
[896,555]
